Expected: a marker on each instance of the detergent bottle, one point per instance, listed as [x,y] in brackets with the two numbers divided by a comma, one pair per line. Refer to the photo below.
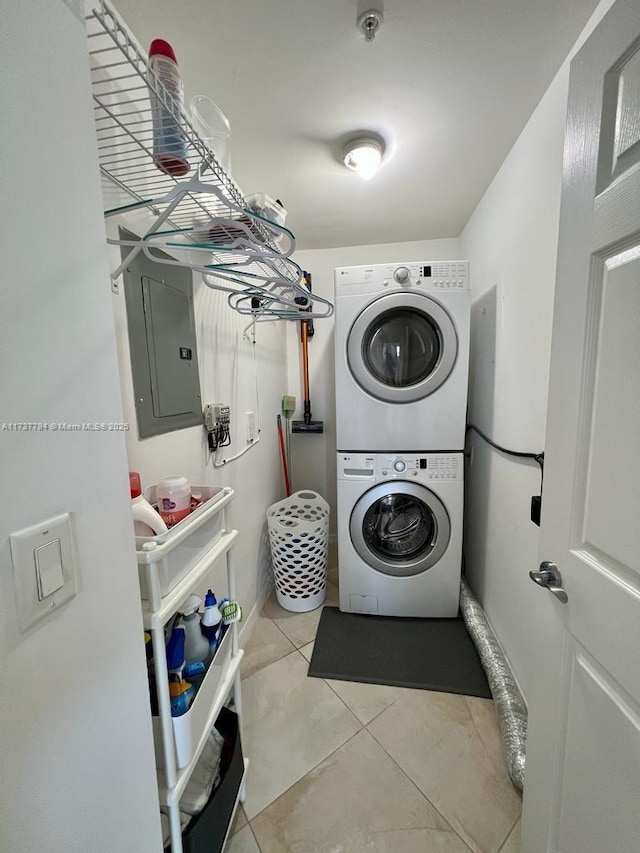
[146,521]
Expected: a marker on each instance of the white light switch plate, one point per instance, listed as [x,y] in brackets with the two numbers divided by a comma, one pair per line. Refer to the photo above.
[49,572]
[44,568]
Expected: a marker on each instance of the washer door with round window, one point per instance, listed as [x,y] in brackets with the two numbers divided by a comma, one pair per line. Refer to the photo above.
[402,347]
[400,528]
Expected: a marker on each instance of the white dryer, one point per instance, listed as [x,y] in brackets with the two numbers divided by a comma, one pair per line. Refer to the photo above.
[400,533]
[402,356]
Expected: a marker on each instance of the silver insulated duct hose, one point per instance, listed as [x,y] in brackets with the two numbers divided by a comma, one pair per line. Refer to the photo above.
[510,707]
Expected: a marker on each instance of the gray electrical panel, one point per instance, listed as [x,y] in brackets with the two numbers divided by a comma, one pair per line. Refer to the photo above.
[162,343]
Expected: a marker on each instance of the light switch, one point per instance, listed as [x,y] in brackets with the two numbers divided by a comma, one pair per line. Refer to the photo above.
[44,569]
[49,568]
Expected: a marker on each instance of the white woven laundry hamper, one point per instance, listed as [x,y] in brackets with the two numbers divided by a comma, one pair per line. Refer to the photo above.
[299,537]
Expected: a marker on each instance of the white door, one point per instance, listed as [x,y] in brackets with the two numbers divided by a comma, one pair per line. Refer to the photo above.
[582,787]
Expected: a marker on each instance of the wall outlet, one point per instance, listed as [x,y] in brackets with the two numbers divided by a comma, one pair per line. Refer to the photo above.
[250,418]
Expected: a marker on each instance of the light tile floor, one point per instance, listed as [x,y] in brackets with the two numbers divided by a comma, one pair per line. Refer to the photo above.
[340,766]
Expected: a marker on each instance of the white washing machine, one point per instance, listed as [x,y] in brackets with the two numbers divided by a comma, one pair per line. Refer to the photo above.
[400,533]
[402,356]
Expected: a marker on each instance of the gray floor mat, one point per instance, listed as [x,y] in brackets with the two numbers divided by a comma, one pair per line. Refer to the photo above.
[429,654]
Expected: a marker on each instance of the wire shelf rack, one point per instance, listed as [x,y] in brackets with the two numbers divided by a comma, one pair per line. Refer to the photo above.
[201,215]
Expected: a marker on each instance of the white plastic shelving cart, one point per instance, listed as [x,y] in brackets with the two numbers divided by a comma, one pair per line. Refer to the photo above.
[172,566]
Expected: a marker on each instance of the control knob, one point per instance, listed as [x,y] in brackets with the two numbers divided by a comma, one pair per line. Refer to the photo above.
[399,466]
[402,275]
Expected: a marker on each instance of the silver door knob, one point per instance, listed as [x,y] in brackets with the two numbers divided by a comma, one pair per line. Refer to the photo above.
[549,577]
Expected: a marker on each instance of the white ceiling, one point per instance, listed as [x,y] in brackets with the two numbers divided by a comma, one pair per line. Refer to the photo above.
[448,84]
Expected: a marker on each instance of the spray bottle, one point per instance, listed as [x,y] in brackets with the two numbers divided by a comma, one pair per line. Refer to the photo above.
[196,647]
[211,622]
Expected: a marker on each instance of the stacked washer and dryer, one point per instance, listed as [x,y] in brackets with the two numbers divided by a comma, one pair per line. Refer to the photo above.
[402,363]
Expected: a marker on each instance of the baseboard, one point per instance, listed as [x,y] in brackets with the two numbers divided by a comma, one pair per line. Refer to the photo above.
[248,622]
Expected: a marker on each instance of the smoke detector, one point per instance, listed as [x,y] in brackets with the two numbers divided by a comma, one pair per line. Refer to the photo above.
[369,23]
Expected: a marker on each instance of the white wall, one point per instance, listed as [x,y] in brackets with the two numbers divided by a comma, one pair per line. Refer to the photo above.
[511,241]
[248,378]
[314,456]
[75,737]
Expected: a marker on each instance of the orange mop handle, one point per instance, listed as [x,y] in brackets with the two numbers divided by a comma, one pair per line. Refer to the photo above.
[305,358]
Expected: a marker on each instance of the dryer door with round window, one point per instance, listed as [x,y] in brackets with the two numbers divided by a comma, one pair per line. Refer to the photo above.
[402,347]
[400,528]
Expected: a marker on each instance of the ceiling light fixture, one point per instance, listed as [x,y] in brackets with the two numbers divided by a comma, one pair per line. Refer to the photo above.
[363,155]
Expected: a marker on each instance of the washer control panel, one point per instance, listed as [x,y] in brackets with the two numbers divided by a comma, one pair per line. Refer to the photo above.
[431,466]
[426,275]
[424,467]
